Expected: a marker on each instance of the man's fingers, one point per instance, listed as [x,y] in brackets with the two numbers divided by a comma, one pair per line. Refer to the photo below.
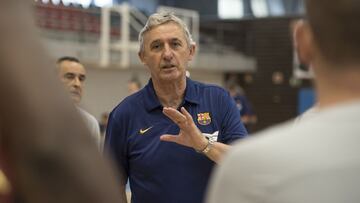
[174,115]
[186,114]
[183,119]
[169,138]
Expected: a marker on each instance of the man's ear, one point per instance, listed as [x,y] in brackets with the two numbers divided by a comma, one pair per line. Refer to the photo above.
[304,42]
[192,51]
[142,57]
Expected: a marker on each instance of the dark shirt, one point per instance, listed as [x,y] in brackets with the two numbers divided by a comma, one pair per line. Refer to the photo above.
[164,172]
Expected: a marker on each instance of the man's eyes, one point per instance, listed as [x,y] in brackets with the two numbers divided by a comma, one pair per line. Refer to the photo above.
[156,46]
[70,76]
[82,78]
[175,44]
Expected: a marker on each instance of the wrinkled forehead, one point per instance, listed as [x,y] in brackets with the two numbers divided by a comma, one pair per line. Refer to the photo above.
[166,31]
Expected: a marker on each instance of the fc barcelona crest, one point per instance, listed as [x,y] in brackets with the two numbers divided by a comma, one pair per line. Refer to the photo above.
[204,118]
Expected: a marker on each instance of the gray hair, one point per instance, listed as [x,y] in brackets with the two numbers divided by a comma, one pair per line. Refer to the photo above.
[157,19]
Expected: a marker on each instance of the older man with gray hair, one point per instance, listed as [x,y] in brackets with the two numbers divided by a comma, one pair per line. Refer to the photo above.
[163,163]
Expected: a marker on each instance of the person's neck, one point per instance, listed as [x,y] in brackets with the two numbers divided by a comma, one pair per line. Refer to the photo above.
[170,94]
[338,86]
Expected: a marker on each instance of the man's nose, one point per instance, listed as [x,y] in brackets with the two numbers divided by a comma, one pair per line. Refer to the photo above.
[77,82]
[168,52]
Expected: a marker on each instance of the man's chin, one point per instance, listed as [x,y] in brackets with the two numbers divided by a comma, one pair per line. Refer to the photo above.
[76,98]
[172,76]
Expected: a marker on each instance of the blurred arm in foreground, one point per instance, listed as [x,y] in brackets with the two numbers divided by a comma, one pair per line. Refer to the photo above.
[45,148]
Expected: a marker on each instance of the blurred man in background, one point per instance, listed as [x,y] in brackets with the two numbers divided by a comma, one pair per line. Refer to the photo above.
[318,160]
[73,75]
[247,114]
[133,85]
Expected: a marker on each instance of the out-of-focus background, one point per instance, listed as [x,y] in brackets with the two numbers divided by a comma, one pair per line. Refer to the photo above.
[243,45]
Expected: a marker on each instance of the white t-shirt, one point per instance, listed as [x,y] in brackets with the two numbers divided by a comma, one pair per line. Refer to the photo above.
[317,160]
[311,112]
[92,125]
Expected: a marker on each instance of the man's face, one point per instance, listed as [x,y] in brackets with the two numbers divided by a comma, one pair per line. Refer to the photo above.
[73,75]
[166,52]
